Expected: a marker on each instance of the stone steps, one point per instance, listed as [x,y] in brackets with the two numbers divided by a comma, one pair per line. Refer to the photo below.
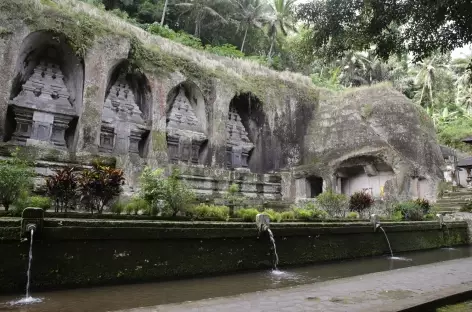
[463,193]
[452,202]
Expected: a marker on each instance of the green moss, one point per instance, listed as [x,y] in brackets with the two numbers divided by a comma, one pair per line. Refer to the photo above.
[91,91]
[49,3]
[367,111]
[80,29]
[159,142]
[460,307]
[52,155]
[151,59]
[4,32]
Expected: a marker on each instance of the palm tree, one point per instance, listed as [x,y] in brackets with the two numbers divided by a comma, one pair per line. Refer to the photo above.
[354,68]
[250,13]
[164,12]
[198,11]
[463,82]
[281,20]
[426,76]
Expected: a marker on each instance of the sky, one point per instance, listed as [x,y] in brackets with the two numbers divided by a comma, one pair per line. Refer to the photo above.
[461,52]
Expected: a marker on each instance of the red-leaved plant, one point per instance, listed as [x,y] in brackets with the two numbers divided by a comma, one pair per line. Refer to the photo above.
[62,187]
[360,201]
[99,185]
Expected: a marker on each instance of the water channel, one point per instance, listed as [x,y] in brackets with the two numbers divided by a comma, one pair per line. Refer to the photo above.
[101,299]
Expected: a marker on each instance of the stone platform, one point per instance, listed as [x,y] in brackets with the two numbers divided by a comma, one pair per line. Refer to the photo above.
[394,290]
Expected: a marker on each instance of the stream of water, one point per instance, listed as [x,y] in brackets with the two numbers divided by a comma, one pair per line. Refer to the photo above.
[272,240]
[390,248]
[27,299]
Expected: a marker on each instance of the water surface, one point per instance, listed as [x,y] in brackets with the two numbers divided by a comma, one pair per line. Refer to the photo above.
[101,299]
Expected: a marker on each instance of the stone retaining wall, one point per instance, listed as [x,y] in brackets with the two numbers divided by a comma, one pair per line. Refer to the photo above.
[73,253]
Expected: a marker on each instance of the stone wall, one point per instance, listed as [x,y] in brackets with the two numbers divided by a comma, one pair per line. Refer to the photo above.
[72,253]
[119,92]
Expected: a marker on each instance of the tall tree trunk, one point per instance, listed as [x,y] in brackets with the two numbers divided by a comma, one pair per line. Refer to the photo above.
[271,47]
[6,205]
[244,39]
[164,13]
[197,29]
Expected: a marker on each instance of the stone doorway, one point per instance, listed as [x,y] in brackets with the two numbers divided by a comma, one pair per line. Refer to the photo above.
[314,186]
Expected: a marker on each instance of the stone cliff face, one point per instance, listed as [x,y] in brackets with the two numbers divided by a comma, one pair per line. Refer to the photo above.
[137,100]
[373,134]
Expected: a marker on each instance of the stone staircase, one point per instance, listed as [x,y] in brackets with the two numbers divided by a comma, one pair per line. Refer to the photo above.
[453,201]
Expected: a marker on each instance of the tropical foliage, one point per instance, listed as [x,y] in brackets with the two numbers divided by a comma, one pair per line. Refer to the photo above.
[15,179]
[62,188]
[99,185]
[166,195]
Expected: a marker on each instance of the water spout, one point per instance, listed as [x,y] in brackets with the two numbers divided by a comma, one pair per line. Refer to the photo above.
[374,220]
[388,242]
[262,224]
[440,220]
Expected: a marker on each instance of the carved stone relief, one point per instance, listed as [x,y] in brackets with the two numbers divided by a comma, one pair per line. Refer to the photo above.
[185,135]
[238,145]
[42,109]
[123,125]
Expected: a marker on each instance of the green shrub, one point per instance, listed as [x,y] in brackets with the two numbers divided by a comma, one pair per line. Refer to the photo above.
[309,214]
[118,207]
[20,203]
[424,204]
[15,178]
[333,203]
[453,132]
[226,49]
[247,214]
[172,191]
[273,215]
[25,201]
[429,217]
[360,201]
[287,215]
[303,214]
[410,210]
[137,204]
[234,198]
[309,205]
[397,216]
[39,202]
[204,211]
[128,209]
[181,36]
[319,214]
[352,215]
[443,188]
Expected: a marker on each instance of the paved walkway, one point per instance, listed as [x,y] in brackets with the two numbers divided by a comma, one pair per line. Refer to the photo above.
[380,292]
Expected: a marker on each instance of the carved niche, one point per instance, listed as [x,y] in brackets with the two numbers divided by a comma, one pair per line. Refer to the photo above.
[238,145]
[185,134]
[123,126]
[42,109]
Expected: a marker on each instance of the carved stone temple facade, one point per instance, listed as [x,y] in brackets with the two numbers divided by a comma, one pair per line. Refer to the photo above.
[280,139]
[123,125]
[238,145]
[185,134]
[42,109]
